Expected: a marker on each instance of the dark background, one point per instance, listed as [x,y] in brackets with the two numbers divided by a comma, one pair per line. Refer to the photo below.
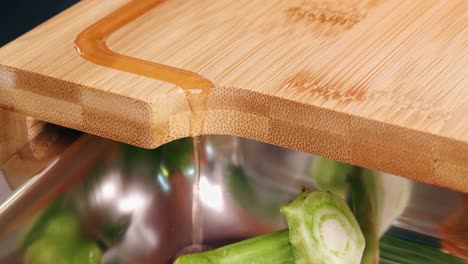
[19,16]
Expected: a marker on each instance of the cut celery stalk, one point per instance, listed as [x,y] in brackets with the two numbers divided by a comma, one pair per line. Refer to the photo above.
[271,248]
[390,193]
[364,199]
[393,195]
[322,229]
[331,175]
[377,199]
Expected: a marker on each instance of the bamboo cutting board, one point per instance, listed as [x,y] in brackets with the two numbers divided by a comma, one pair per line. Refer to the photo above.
[380,84]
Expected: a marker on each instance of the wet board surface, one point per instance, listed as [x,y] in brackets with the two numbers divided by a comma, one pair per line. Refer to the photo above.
[380,84]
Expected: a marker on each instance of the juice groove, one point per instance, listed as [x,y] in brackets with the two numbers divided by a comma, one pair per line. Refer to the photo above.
[91,45]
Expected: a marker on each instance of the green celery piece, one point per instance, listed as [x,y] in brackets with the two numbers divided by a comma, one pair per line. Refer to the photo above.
[393,194]
[51,251]
[397,250]
[331,175]
[56,237]
[47,251]
[88,253]
[39,226]
[364,199]
[377,199]
[64,226]
[322,229]
[271,248]
[390,193]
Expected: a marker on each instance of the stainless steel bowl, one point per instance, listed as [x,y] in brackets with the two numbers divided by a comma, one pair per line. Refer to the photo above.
[139,204]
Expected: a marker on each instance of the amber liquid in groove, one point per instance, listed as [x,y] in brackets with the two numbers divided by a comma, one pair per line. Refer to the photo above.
[91,45]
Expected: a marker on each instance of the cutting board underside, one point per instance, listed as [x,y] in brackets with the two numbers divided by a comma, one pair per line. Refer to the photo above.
[380,84]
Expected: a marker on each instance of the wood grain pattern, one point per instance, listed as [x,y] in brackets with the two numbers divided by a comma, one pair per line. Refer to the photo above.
[19,135]
[380,84]
[13,134]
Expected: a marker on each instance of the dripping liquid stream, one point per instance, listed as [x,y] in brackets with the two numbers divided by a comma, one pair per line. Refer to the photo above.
[197,216]
[91,45]
[197,101]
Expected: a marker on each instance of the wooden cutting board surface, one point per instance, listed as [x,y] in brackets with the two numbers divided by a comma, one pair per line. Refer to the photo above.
[380,84]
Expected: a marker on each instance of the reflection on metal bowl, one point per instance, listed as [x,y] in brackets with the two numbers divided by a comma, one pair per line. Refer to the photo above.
[137,204]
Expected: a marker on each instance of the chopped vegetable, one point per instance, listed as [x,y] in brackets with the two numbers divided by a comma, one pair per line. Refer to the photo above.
[57,238]
[88,253]
[378,199]
[393,194]
[322,229]
[64,226]
[39,226]
[46,251]
[331,175]
[271,248]
[365,208]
